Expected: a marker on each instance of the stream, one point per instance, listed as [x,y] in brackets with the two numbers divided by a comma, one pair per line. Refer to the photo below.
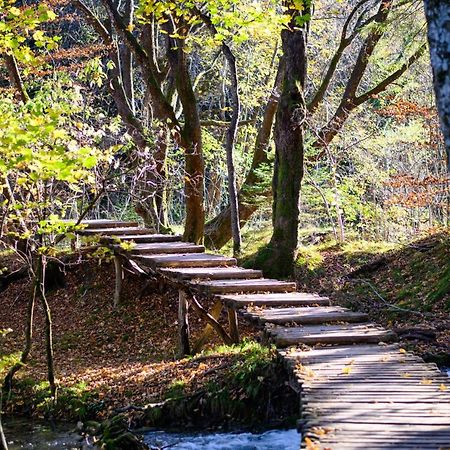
[26,434]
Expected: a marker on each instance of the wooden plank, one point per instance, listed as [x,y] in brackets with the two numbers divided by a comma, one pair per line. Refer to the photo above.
[115,231]
[211,273]
[330,334]
[180,260]
[141,238]
[92,224]
[260,285]
[353,350]
[163,247]
[274,299]
[305,315]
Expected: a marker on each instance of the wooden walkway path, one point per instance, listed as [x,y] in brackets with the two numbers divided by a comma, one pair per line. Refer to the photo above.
[358,389]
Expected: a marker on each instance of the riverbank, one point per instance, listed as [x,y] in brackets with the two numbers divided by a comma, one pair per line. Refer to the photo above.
[110,360]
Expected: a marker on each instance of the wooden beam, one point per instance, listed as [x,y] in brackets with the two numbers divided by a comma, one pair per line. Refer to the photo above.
[215,312]
[183,324]
[119,276]
[234,326]
[210,319]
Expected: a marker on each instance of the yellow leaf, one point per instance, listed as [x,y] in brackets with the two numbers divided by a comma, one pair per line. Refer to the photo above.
[402,350]
[443,387]
[406,375]
[130,27]
[346,370]
[426,381]
[310,445]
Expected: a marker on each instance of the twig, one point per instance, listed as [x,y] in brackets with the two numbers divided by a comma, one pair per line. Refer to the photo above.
[385,302]
[4,444]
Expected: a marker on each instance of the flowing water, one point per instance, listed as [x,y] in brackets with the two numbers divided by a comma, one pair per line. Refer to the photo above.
[23,434]
[269,440]
[26,434]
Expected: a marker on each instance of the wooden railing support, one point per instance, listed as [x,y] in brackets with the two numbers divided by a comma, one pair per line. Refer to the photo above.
[208,330]
[234,326]
[183,324]
[119,276]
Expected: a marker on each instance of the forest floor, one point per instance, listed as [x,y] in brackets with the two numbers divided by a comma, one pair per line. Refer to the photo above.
[405,287]
[108,359]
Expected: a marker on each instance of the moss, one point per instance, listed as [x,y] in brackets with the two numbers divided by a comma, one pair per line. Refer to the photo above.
[250,391]
[176,390]
[74,403]
[442,287]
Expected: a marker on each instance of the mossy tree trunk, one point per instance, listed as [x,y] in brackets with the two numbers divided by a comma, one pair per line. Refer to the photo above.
[438,19]
[288,166]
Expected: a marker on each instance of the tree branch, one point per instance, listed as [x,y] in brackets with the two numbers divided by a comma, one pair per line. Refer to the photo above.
[380,87]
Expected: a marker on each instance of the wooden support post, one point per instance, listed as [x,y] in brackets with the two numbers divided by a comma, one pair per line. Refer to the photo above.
[119,277]
[208,330]
[233,323]
[210,319]
[183,324]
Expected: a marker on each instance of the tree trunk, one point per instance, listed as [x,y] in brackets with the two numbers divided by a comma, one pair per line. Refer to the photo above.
[218,230]
[40,274]
[28,342]
[438,18]
[191,137]
[288,167]
[15,78]
[229,148]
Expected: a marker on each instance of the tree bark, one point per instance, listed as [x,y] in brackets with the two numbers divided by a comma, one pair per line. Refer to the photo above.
[191,138]
[288,167]
[229,148]
[40,274]
[438,18]
[218,230]
[15,78]
[28,342]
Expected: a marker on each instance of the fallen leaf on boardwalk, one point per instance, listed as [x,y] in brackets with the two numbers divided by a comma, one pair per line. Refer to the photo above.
[346,370]
[426,381]
[402,350]
[311,445]
[406,375]
[443,387]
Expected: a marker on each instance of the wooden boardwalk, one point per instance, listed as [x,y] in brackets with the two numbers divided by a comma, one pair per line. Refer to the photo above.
[358,389]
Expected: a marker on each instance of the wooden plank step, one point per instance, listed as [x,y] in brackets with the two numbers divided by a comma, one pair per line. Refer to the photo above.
[116,231]
[163,247]
[141,238]
[305,315]
[92,224]
[182,260]
[329,334]
[211,273]
[259,285]
[281,299]
[342,353]
[351,417]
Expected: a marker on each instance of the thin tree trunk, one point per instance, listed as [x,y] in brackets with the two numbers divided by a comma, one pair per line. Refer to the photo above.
[3,443]
[288,167]
[438,18]
[218,230]
[15,77]
[28,341]
[229,147]
[48,326]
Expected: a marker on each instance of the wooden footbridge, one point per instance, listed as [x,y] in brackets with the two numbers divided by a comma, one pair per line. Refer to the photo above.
[359,390]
